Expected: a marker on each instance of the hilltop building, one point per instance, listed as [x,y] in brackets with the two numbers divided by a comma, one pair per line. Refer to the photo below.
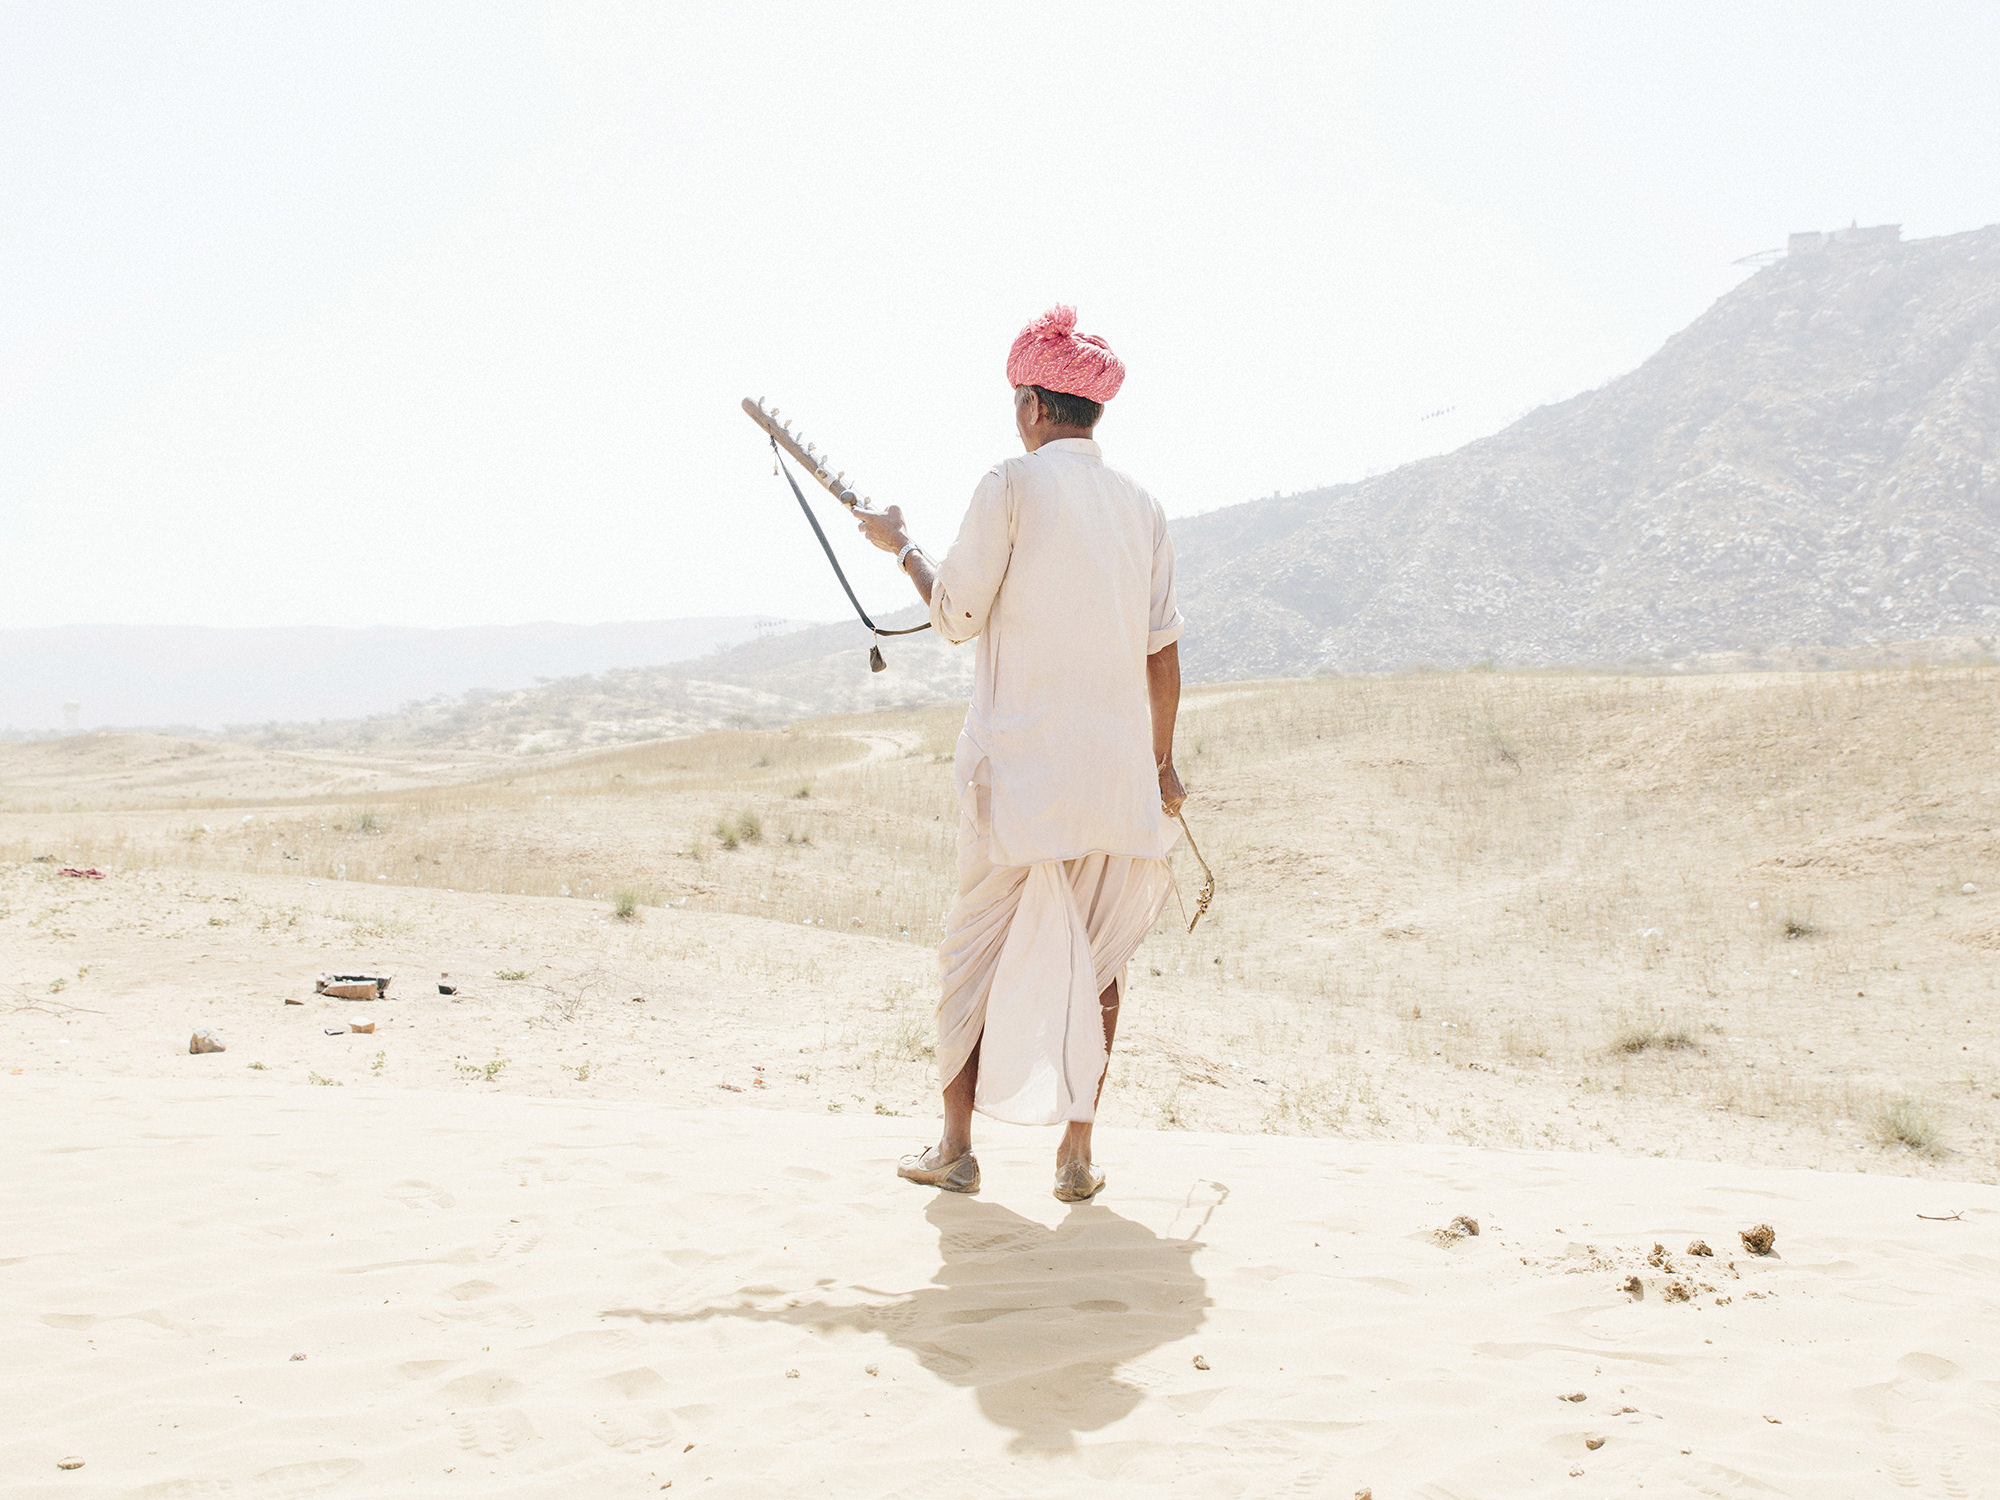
[1815,240]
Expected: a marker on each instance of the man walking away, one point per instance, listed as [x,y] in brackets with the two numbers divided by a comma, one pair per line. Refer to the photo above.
[1064,576]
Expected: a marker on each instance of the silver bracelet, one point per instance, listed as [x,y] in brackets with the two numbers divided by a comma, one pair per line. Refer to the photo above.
[908,548]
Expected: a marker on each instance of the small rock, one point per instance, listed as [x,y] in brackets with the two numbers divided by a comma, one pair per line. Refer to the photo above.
[871,1369]
[1593,1442]
[1465,1224]
[205,1040]
[1699,1247]
[1200,1363]
[1759,1241]
[336,1031]
[297,1357]
[357,1024]
[1573,1396]
[69,1463]
[791,1374]
[290,1001]
[1968,889]
[447,989]
[1364,1493]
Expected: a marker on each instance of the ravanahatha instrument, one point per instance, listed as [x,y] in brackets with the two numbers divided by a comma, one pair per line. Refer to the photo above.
[820,466]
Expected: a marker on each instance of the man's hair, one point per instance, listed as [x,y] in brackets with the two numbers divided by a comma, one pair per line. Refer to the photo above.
[1069,411]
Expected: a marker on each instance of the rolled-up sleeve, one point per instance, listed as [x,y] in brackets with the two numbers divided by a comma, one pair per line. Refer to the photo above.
[1164,624]
[969,578]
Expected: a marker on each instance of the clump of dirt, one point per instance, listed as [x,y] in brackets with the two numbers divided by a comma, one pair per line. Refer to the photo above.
[1659,1258]
[1461,1228]
[1677,1291]
[1762,1240]
[1635,1286]
[1573,1396]
[1699,1247]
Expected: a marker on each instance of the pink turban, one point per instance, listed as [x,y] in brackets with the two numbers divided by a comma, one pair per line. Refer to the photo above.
[1050,353]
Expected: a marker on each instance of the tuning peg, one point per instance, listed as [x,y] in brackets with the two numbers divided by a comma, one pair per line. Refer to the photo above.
[841,477]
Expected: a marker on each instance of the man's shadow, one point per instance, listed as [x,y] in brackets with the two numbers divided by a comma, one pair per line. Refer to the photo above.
[1036,1320]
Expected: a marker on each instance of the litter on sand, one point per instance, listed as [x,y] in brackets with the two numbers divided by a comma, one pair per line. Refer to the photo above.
[353,986]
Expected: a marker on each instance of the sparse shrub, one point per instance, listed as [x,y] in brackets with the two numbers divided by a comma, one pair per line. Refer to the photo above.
[726,832]
[1905,1122]
[510,975]
[1655,1032]
[490,1071]
[1799,924]
[749,826]
[805,790]
[326,1083]
[625,905]
[368,822]
[912,1037]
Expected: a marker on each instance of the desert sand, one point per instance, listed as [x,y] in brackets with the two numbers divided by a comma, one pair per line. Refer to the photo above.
[232,1288]
[1603,965]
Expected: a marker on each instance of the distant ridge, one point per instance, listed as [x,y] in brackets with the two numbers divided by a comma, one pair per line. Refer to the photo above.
[194,677]
[1813,463]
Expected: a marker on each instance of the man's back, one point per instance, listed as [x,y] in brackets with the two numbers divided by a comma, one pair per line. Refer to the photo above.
[1064,571]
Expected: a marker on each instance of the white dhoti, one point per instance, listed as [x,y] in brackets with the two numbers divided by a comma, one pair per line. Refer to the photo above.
[1027,951]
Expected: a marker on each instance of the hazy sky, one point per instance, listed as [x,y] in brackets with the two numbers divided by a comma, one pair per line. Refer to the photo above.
[439,314]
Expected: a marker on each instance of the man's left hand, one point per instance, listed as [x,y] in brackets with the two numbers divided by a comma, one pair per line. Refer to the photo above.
[883,527]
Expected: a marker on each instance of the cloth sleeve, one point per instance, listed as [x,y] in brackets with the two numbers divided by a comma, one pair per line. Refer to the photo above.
[1164,624]
[969,578]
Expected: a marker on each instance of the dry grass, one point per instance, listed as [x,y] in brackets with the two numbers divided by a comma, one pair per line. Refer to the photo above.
[1905,1122]
[1717,915]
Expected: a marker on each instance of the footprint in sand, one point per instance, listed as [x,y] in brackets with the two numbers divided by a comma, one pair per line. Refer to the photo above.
[643,1423]
[493,1434]
[416,1194]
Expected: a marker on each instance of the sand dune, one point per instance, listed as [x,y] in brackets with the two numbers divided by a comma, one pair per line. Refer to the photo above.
[569,1231]
[497,1295]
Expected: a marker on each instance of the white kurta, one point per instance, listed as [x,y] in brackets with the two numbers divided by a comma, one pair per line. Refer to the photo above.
[1064,574]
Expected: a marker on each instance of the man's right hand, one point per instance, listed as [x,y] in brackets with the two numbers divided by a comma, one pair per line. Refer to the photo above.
[1172,793]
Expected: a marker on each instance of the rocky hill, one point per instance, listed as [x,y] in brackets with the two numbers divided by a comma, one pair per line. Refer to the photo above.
[1814,463]
[1809,472]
